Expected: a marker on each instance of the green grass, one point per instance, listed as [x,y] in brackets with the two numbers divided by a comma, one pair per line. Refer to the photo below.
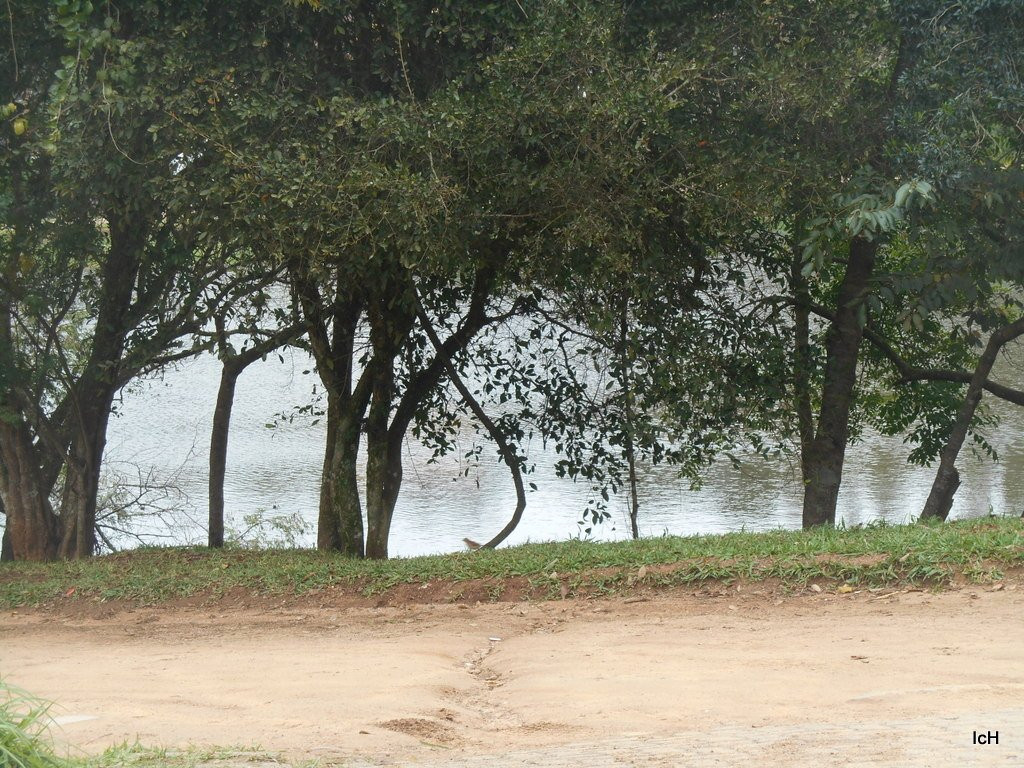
[24,741]
[981,549]
[878,555]
[137,756]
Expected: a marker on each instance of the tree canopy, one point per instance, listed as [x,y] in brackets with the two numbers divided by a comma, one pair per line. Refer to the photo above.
[655,231]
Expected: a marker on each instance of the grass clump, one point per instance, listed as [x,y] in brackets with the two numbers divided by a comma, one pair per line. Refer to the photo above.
[875,555]
[138,756]
[24,741]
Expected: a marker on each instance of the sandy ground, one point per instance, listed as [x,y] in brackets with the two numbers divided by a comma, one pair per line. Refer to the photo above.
[748,678]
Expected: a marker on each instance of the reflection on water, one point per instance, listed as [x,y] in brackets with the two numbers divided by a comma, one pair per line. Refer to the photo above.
[165,424]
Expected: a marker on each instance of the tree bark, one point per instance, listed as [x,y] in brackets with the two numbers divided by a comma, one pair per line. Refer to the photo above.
[82,481]
[947,478]
[383,468]
[802,362]
[219,432]
[6,548]
[32,529]
[627,394]
[824,465]
[340,523]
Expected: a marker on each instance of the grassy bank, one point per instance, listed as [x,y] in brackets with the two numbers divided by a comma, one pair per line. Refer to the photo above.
[978,550]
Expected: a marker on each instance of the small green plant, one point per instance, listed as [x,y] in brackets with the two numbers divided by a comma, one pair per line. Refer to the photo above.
[24,741]
[129,755]
[495,590]
[266,530]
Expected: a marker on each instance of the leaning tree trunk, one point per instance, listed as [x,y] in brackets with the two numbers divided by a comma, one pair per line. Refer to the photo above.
[32,531]
[947,478]
[505,450]
[824,465]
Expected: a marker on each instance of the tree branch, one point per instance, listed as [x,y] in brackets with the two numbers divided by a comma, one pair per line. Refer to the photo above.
[909,373]
[427,377]
[506,451]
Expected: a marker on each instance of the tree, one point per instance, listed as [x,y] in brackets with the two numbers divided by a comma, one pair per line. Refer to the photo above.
[977,153]
[258,342]
[822,102]
[103,274]
[446,179]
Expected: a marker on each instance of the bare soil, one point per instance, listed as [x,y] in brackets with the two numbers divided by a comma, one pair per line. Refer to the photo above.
[433,682]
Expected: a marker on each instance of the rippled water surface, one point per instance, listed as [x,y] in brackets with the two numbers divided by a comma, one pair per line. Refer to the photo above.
[163,426]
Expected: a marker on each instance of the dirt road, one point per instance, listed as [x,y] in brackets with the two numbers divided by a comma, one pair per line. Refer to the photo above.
[745,678]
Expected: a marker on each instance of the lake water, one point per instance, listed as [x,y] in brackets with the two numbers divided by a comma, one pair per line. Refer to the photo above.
[163,429]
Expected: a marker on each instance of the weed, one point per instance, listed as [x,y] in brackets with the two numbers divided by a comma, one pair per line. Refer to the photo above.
[24,741]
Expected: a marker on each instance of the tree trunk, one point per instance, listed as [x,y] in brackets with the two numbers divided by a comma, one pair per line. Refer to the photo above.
[378,516]
[824,465]
[32,527]
[340,523]
[383,466]
[219,451]
[232,367]
[391,315]
[30,532]
[390,324]
[6,552]
[328,532]
[82,481]
[627,393]
[802,362]
[93,395]
[383,484]
[947,478]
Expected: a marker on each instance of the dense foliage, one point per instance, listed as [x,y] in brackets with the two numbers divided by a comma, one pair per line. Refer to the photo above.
[644,231]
